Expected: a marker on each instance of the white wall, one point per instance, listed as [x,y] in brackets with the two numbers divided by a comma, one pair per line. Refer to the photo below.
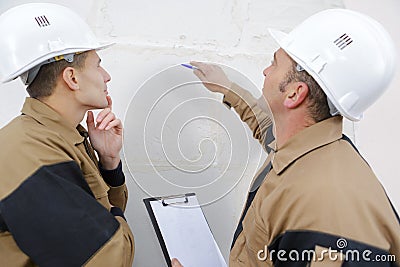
[377,134]
[157,99]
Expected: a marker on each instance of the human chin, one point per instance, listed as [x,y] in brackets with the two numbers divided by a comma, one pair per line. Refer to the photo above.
[100,104]
[104,103]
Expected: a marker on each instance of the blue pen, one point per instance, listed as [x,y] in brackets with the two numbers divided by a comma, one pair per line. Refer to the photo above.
[190,66]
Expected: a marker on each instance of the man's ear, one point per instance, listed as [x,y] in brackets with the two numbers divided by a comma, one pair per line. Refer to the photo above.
[296,95]
[70,79]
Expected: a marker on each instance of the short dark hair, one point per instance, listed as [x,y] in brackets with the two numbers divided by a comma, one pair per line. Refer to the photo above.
[44,83]
[317,101]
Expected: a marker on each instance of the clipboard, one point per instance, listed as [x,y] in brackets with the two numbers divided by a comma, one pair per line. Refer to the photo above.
[183,231]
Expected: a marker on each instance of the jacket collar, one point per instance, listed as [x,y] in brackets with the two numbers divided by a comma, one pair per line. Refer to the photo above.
[48,117]
[317,135]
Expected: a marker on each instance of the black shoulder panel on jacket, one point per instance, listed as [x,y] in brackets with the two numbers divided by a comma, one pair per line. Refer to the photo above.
[295,249]
[269,137]
[55,219]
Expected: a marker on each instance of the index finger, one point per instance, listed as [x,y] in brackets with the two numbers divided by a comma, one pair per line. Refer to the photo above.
[109,100]
[199,65]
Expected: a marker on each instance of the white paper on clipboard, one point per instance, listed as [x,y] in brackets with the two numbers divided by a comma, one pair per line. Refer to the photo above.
[183,231]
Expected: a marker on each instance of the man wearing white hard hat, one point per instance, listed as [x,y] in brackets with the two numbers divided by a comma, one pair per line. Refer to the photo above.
[60,203]
[316,201]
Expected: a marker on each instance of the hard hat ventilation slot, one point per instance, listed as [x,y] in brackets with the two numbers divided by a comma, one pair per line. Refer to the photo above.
[42,21]
[343,41]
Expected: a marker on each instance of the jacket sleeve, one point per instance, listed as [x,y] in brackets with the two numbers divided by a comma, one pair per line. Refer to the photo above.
[56,221]
[245,105]
[118,192]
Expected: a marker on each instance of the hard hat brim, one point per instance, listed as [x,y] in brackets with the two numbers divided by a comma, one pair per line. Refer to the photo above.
[15,75]
[278,36]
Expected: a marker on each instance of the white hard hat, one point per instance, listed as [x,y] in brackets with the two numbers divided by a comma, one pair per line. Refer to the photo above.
[31,34]
[350,55]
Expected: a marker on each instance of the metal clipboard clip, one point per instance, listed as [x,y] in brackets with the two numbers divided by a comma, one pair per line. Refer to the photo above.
[175,199]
